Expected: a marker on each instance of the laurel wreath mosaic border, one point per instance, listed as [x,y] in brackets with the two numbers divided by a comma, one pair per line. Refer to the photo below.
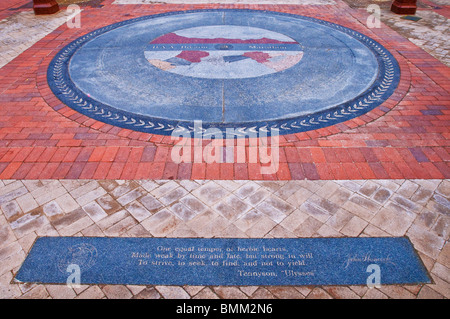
[61,85]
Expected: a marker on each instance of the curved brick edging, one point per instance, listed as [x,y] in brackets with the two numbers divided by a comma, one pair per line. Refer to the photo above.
[286,139]
[404,138]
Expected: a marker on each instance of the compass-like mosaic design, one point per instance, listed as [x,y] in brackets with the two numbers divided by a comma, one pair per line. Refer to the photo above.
[248,70]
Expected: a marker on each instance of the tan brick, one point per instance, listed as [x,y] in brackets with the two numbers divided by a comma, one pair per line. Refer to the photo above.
[8,290]
[441,271]
[397,292]
[138,231]
[76,227]
[338,292]
[340,219]
[109,204]
[280,232]
[148,293]
[354,227]
[161,224]
[93,231]
[206,293]
[286,293]
[6,236]
[358,210]
[328,231]
[60,291]
[393,219]
[407,189]
[38,292]
[172,292]
[117,292]
[229,293]
[308,227]
[183,231]
[444,256]
[27,202]
[233,232]
[82,190]
[90,196]
[210,193]
[68,219]
[112,219]
[93,292]
[261,227]
[120,227]
[318,293]
[193,290]
[374,294]
[425,241]
[67,203]
[262,293]
[294,220]
[428,293]
[95,211]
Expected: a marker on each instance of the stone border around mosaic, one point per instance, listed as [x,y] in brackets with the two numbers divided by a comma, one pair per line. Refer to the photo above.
[383,87]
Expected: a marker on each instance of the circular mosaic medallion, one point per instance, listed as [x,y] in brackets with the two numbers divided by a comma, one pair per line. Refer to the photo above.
[82,255]
[245,70]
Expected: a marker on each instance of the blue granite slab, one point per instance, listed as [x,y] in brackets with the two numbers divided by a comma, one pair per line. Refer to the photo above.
[219,261]
[319,74]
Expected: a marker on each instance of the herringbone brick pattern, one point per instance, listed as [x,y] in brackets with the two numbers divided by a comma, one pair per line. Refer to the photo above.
[240,209]
[41,138]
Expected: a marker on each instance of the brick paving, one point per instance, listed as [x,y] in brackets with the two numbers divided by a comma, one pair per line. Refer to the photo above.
[63,174]
[418,209]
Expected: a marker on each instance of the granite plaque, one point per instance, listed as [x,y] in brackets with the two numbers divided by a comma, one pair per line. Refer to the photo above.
[223,261]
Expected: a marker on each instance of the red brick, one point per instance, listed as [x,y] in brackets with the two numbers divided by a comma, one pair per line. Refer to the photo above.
[184,171]
[88,170]
[162,153]
[292,155]
[22,171]
[254,171]
[317,155]
[48,170]
[352,171]
[392,170]
[143,170]
[156,171]
[10,170]
[61,142]
[109,170]
[324,171]
[170,171]
[129,171]
[62,170]
[365,171]
[241,171]
[122,154]
[110,154]
[338,171]
[226,171]
[103,169]
[198,171]
[310,171]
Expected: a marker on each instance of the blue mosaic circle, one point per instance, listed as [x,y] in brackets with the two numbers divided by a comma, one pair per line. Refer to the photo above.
[241,71]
